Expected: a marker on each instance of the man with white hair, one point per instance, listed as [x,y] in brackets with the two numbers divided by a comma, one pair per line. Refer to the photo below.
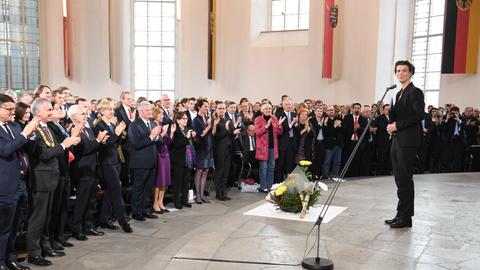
[83,170]
[143,136]
[167,109]
[44,180]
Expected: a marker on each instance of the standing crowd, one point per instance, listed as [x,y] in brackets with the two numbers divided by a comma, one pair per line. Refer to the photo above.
[54,145]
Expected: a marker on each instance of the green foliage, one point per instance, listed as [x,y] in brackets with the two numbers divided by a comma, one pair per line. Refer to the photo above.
[291,202]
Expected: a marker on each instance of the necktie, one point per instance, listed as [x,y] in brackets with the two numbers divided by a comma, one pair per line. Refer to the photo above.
[355,123]
[20,154]
[130,114]
[149,126]
[48,136]
[86,133]
[289,118]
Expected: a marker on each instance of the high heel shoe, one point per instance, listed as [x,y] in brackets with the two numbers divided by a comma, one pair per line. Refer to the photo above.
[165,210]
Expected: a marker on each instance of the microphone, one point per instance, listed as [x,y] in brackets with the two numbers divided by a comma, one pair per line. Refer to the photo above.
[392,87]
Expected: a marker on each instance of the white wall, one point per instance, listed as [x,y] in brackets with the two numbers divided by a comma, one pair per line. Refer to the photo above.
[257,72]
[244,68]
[90,47]
[461,90]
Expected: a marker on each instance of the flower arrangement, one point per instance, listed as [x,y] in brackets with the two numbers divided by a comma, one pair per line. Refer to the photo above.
[296,193]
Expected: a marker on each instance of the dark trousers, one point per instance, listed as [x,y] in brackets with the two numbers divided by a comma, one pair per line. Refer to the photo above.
[422,158]
[112,199]
[234,169]
[9,225]
[86,200]
[142,190]
[403,162]
[366,159]
[384,163]
[286,161]
[37,232]
[222,168]
[60,208]
[455,155]
[319,154]
[355,166]
[181,181]
[125,171]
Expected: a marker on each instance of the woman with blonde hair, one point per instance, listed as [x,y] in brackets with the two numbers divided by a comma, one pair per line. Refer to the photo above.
[163,176]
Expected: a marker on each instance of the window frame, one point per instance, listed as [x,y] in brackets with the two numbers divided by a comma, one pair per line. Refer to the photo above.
[136,91]
[270,17]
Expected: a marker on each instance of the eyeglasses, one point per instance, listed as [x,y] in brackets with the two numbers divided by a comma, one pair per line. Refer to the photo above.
[184,118]
[8,109]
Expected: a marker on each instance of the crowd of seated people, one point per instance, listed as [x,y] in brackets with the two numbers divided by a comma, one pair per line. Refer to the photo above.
[54,145]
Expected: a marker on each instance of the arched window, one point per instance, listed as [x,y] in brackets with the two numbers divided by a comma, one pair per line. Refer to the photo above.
[154,48]
[19,45]
[427,47]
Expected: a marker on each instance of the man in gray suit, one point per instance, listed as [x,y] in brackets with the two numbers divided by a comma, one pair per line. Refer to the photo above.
[44,180]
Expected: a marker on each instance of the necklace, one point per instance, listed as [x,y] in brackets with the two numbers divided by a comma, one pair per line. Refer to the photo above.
[44,137]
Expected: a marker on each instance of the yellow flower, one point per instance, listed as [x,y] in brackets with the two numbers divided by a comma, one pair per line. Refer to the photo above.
[280,190]
[305,163]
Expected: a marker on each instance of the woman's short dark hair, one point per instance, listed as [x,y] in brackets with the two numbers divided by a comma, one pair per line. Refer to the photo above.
[20,110]
[410,66]
[179,115]
[200,103]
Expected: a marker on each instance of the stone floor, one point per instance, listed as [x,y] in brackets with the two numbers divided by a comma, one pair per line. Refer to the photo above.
[445,234]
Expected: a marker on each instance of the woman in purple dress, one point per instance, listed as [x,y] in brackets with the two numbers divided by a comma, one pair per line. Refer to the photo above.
[162,171]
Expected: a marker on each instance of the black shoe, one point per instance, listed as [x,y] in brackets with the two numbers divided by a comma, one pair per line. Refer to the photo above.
[138,217]
[160,212]
[39,261]
[178,206]
[150,216]
[109,225]
[64,242]
[94,232]
[56,246]
[226,197]
[80,236]
[52,253]
[221,198]
[198,201]
[127,228]
[165,210]
[205,200]
[188,205]
[401,223]
[390,221]
[14,265]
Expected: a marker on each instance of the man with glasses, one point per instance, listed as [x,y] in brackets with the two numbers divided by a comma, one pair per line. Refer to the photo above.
[14,165]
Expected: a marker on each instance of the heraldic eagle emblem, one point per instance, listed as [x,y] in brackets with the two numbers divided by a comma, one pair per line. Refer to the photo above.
[464,5]
[333,16]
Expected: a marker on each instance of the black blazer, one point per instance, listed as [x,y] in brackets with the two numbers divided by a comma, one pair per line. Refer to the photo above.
[59,136]
[408,113]
[177,148]
[9,163]
[166,118]
[222,140]
[382,138]
[108,152]
[121,115]
[86,151]
[44,164]
[348,127]
[283,139]
[450,130]
[333,136]
[143,150]
[189,116]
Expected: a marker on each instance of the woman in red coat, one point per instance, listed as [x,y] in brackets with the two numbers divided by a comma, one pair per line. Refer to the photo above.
[267,127]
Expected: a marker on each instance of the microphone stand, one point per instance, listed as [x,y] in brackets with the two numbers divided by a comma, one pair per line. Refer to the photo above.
[324,263]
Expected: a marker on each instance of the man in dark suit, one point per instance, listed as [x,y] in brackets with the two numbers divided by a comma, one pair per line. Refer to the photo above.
[287,141]
[353,126]
[249,146]
[456,138]
[143,136]
[406,128]
[125,113]
[167,110]
[222,143]
[235,160]
[383,142]
[43,182]
[84,174]
[422,150]
[14,164]
[190,111]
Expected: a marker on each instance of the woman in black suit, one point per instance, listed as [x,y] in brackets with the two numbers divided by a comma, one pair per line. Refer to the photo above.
[110,167]
[319,149]
[22,114]
[182,159]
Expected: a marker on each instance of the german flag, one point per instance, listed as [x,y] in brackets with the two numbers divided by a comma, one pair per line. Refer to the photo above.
[461,36]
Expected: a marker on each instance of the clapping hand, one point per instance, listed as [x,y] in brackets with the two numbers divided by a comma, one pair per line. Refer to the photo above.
[31,127]
[216,121]
[164,130]
[282,119]
[227,125]
[173,128]
[337,123]
[237,131]
[69,141]
[120,128]
[101,136]
[76,130]
[155,132]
